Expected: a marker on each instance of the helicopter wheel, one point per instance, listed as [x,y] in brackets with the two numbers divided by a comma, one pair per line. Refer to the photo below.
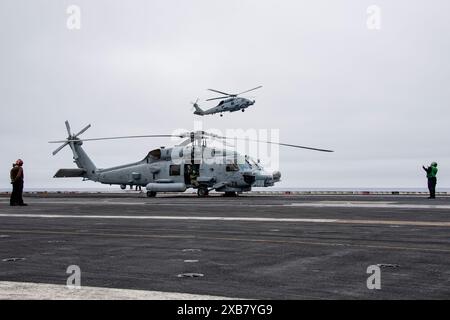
[202,192]
[221,115]
[151,194]
[243,110]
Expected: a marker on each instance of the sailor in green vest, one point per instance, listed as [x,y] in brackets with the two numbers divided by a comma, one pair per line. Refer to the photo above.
[432,180]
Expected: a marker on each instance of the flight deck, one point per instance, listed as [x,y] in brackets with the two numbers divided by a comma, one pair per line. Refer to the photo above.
[254,246]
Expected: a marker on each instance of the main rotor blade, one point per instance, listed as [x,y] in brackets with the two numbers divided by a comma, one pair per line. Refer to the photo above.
[221,98]
[279,143]
[184,143]
[124,137]
[194,135]
[83,130]
[60,148]
[249,90]
[227,94]
[68,128]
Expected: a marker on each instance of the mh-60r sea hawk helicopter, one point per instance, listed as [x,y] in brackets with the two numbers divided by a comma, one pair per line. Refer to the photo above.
[230,103]
[190,164]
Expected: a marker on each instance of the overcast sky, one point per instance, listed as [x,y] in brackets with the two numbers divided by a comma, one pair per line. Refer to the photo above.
[379,98]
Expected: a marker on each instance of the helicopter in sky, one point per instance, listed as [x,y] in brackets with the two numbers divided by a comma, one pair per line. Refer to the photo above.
[230,102]
[190,164]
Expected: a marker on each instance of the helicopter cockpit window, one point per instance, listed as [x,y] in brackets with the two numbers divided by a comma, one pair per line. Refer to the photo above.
[175,170]
[243,163]
[255,163]
[232,167]
[221,103]
[155,154]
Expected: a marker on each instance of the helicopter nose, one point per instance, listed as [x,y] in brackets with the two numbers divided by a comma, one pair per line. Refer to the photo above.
[249,178]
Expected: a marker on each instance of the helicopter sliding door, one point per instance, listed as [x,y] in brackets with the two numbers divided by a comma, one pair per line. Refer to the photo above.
[191,172]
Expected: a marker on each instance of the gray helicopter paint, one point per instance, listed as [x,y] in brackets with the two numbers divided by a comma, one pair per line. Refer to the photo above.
[230,102]
[228,105]
[212,162]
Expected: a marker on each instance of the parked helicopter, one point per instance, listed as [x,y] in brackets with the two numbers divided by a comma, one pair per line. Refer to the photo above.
[190,164]
[230,103]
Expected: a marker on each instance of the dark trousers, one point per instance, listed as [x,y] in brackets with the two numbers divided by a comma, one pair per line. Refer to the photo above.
[16,195]
[432,187]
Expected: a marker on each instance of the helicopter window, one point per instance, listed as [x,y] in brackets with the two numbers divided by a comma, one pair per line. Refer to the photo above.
[175,170]
[221,103]
[232,167]
[156,154]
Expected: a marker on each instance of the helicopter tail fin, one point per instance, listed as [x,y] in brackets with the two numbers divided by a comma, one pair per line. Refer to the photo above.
[83,161]
[87,168]
[198,110]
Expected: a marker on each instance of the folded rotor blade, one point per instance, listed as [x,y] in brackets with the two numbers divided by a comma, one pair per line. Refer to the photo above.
[249,90]
[60,148]
[83,130]
[68,128]
[124,137]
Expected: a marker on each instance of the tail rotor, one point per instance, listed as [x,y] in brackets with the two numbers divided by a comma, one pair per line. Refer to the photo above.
[71,139]
[194,105]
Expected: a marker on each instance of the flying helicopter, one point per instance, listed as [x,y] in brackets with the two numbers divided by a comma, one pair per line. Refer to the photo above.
[190,164]
[230,102]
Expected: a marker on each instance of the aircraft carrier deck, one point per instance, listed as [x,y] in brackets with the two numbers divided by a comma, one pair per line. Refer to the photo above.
[255,246]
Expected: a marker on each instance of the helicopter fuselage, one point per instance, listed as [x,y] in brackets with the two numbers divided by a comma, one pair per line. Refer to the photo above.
[179,168]
[228,105]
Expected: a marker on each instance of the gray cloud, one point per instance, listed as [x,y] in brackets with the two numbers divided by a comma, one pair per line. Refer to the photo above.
[379,98]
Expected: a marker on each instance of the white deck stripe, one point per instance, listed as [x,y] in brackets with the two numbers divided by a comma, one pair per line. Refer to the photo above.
[320,204]
[241,219]
[368,205]
[134,217]
[40,291]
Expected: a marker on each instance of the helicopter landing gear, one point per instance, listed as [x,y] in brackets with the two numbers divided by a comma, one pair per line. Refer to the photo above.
[151,194]
[243,110]
[202,192]
[221,115]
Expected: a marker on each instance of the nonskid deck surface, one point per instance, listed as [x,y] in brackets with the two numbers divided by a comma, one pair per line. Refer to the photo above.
[251,246]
